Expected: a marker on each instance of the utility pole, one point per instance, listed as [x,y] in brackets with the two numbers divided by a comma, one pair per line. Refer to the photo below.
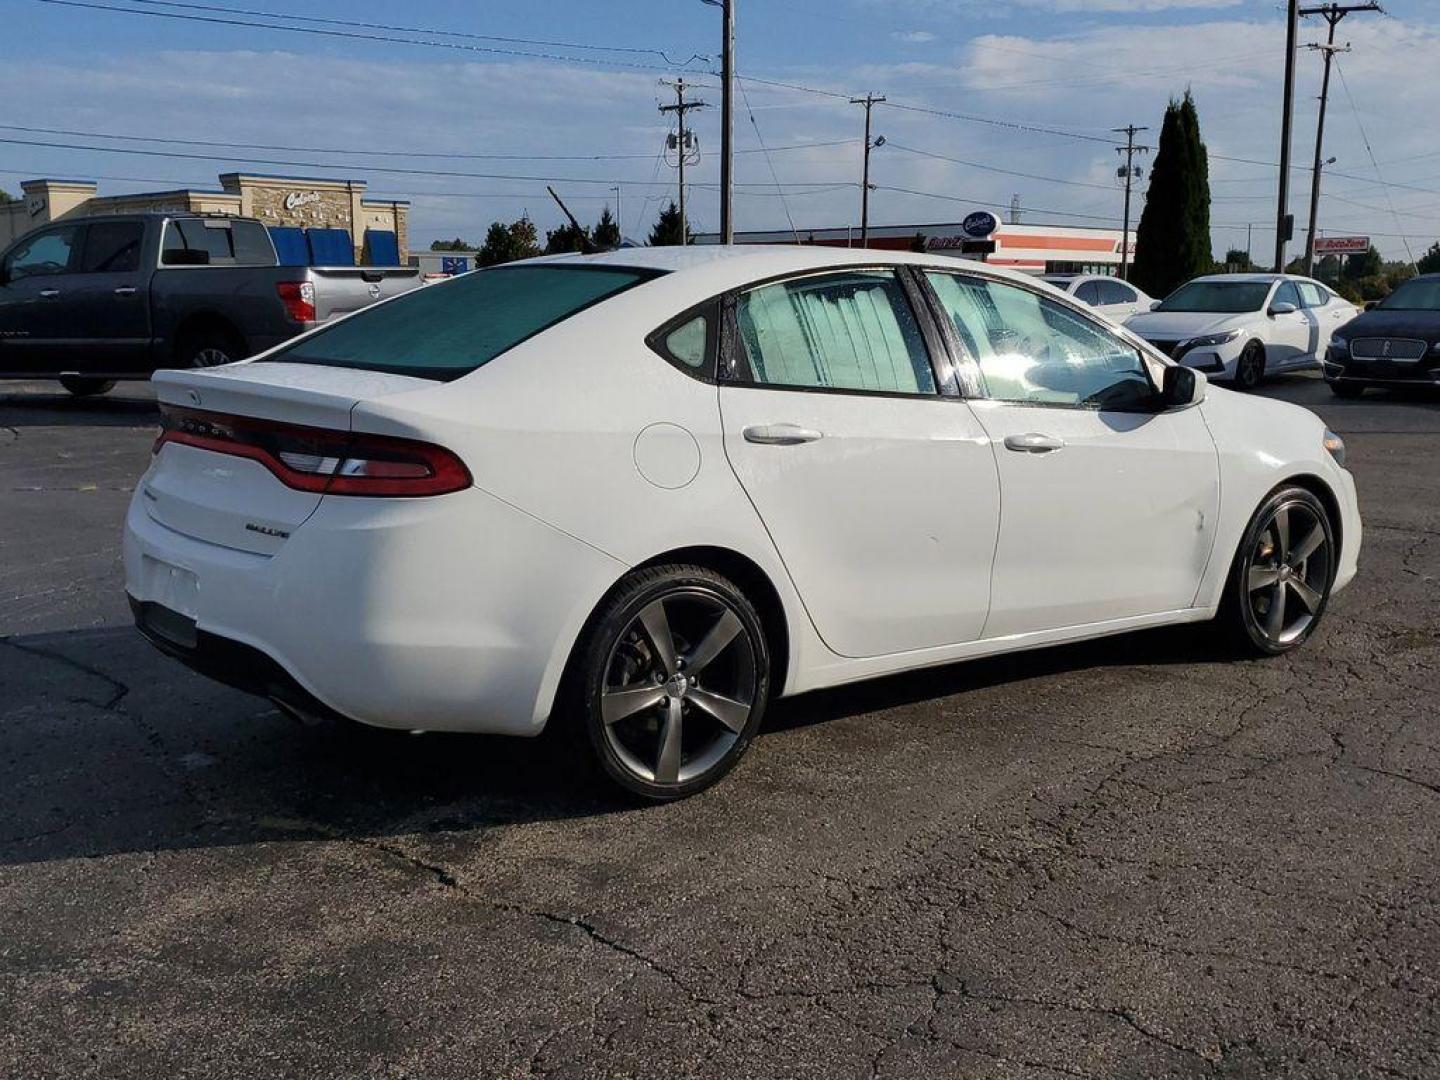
[619,221]
[1332,14]
[869,101]
[727,128]
[1130,171]
[1284,223]
[727,120]
[682,143]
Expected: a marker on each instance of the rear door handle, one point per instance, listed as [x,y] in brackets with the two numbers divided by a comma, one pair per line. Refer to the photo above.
[125,290]
[780,434]
[49,294]
[1032,442]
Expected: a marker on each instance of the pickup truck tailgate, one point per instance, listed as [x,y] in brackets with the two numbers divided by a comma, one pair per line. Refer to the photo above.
[236,501]
[339,290]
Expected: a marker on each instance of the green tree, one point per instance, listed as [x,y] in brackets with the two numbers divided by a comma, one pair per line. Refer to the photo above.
[606,233]
[565,238]
[5,197]
[450,245]
[667,228]
[1239,258]
[1172,243]
[1429,263]
[506,243]
[1328,268]
[918,243]
[1364,264]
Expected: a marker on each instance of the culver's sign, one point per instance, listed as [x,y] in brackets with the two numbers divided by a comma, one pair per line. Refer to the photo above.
[296,199]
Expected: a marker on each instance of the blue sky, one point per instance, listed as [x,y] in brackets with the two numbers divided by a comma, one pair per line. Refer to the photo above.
[1043,81]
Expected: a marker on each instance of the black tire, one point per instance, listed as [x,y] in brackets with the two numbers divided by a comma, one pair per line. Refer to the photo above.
[616,662]
[210,347]
[1303,591]
[1250,368]
[82,386]
[1347,389]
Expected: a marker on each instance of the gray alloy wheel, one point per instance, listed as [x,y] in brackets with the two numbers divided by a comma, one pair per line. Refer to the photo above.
[1250,368]
[210,348]
[1282,575]
[676,680]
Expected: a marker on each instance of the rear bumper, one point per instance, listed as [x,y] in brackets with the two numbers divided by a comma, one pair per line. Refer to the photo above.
[456,613]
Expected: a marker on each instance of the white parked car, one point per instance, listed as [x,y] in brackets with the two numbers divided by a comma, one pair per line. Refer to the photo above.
[1241,327]
[1115,299]
[644,492]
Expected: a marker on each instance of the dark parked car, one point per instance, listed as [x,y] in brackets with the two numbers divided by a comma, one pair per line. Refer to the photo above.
[1395,343]
[90,300]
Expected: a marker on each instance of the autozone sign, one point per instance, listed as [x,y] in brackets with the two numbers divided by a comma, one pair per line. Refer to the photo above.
[1342,245]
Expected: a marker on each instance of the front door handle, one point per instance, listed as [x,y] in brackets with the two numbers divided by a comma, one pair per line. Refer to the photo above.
[1032,442]
[49,294]
[780,434]
[125,290]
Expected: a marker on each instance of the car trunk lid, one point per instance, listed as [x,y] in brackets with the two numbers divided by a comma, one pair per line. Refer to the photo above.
[204,489]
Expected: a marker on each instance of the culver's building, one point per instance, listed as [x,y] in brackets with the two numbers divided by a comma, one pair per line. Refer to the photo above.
[313,220]
[1034,249]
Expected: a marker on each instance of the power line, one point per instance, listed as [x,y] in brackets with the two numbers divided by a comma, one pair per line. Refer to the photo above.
[357,35]
[169,141]
[1345,85]
[995,169]
[586,46]
[784,204]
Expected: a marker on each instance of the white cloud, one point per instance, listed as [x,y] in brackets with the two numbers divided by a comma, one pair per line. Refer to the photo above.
[913,37]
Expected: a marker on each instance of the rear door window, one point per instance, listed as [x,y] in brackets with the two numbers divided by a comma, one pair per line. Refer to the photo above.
[112,247]
[1112,292]
[846,331]
[1088,292]
[448,330]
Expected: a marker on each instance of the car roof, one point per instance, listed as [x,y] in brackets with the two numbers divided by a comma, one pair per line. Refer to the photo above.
[721,266]
[1250,279]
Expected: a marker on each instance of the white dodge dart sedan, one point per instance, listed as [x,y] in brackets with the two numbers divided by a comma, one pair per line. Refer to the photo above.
[641,494]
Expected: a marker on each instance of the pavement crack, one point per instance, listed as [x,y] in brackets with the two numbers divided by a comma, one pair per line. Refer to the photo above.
[119,688]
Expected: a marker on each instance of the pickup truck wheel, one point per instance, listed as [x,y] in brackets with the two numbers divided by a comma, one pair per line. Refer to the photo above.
[82,387]
[209,348]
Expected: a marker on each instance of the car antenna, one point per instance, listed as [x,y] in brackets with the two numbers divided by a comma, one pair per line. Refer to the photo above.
[587,246]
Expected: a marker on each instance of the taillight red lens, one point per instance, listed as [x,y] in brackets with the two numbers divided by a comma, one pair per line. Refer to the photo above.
[318,459]
[298,298]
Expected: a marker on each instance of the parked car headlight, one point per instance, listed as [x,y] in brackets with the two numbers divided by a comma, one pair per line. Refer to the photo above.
[1335,447]
[1212,339]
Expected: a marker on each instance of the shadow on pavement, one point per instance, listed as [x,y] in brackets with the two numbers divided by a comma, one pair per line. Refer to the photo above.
[107,747]
[29,408]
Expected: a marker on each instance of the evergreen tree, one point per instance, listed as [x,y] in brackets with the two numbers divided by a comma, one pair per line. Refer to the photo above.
[506,243]
[667,228]
[440,245]
[606,233]
[1239,258]
[565,238]
[1172,243]
[1430,262]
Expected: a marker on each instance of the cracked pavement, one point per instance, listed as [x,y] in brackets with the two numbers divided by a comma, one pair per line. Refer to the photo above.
[1131,858]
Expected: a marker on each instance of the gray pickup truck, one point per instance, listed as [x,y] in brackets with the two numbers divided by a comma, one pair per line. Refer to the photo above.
[91,300]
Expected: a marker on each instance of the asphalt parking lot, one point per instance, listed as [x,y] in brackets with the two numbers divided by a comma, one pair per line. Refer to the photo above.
[1137,857]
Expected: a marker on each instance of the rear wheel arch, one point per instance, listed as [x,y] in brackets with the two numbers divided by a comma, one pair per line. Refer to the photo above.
[204,325]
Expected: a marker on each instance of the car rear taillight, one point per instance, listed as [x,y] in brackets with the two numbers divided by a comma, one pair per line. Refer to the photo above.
[318,459]
[298,298]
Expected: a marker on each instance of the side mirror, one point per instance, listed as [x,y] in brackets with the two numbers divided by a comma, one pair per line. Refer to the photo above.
[1154,304]
[1182,386]
[1370,305]
[1282,307]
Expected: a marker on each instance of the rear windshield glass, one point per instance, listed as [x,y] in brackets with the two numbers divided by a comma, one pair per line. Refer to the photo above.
[1219,296]
[448,330]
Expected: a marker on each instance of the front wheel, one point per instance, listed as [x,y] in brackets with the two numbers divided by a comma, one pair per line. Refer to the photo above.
[80,386]
[672,679]
[1280,581]
[1250,368]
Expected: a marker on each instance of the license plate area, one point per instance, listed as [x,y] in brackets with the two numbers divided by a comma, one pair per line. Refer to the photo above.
[171,587]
